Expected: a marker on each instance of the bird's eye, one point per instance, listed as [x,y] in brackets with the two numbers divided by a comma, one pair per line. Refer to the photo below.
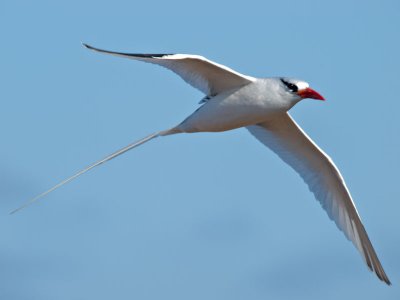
[292,87]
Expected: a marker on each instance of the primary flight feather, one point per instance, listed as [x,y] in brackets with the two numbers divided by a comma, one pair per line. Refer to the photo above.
[234,100]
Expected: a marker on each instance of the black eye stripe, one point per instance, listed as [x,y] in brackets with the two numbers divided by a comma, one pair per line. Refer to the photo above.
[292,87]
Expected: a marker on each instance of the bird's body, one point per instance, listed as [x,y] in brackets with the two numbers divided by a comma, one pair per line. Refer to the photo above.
[245,106]
[234,100]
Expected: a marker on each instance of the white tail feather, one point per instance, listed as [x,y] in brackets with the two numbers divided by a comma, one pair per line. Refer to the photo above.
[107,158]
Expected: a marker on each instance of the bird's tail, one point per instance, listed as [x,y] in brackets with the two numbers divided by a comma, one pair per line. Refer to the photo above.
[97,163]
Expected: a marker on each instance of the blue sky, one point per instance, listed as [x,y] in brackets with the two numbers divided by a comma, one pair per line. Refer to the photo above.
[196,216]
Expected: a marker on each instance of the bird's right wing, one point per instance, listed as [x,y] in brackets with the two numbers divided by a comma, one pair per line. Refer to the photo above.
[283,136]
[207,76]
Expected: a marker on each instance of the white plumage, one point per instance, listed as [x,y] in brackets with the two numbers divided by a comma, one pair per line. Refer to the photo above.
[207,76]
[283,136]
[235,100]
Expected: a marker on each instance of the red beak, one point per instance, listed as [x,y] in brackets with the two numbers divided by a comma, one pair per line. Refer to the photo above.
[310,93]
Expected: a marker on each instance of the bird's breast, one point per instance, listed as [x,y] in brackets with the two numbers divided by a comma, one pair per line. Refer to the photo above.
[249,105]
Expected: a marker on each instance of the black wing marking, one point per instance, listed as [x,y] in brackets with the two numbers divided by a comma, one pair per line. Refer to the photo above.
[129,54]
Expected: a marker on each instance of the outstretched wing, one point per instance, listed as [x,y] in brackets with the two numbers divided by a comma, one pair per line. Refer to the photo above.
[207,76]
[283,136]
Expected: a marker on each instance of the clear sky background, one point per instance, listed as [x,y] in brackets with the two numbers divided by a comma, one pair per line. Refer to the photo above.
[201,216]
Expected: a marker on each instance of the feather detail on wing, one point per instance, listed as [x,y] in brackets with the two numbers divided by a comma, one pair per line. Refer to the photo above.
[207,76]
[284,137]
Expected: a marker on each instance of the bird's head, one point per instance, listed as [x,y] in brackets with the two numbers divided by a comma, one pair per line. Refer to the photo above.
[299,89]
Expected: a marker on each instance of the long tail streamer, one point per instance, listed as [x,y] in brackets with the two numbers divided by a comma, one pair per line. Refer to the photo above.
[107,158]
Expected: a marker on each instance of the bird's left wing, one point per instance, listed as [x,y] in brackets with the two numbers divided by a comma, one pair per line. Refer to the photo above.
[283,136]
[207,76]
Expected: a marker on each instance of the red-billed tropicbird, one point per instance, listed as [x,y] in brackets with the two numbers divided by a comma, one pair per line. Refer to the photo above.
[234,100]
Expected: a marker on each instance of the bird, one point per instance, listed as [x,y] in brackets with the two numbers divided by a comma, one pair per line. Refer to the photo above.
[234,100]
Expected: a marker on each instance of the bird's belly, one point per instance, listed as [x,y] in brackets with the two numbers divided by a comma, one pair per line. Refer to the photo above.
[237,109]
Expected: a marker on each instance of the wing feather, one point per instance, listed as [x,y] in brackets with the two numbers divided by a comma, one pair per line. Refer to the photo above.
[283,136]
[207,76]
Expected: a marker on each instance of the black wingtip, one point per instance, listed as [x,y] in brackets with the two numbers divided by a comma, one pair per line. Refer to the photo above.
[382,276]
[88,46]
[137,55]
